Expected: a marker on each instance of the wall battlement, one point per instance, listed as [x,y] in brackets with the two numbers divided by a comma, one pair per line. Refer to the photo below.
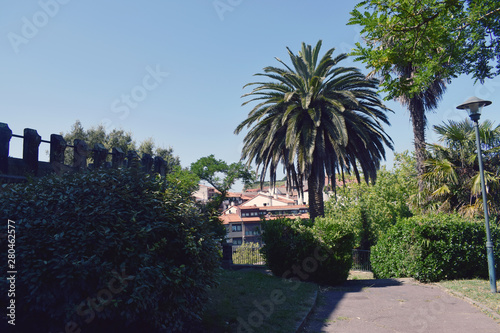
[14,170]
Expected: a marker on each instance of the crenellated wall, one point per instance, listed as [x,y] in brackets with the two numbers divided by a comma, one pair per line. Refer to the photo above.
[17,170]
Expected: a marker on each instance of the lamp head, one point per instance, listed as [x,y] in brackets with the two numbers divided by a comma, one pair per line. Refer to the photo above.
[474,106]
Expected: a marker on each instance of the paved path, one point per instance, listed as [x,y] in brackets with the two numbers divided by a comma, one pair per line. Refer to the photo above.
[395,305]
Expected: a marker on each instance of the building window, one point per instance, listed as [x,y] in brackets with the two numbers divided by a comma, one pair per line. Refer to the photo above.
[236,227]
[237,241]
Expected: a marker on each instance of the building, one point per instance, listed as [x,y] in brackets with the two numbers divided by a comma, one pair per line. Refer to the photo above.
[242,213]
[204,193]
[243,222]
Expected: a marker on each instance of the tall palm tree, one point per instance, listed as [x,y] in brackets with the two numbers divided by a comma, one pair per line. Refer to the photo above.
[418,104]
[316,119]
[452,172]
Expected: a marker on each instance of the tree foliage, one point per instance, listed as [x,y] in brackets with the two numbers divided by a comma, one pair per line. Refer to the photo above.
[110,250]
[441,39]
[372,209]
[219,174]
[316,119]
[183,180]
[417,46]
[118,138]
[452,177]
[97,134]
[222,177]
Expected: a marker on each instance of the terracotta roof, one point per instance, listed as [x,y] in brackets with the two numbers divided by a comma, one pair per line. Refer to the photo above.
[232,218]
[283,207]
[281,199]
[285,199]
[251,219]
[228,218]
[249,207]
[288,207]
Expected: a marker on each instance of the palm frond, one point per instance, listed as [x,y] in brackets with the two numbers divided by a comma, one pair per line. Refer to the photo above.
[315,118]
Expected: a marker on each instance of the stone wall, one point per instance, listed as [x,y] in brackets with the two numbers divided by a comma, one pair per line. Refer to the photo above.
[18,169]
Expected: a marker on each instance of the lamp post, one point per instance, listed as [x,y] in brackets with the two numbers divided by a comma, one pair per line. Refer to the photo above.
[474,107]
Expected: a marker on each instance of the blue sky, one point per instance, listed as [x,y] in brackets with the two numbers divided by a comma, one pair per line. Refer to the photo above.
[172,70]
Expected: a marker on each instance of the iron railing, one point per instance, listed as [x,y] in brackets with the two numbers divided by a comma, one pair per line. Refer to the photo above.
[247,255]
[361,260]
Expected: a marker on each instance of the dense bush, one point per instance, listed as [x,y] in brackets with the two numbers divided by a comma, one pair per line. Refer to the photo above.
[433,248]
[374,208]
[125,247]
[297,249]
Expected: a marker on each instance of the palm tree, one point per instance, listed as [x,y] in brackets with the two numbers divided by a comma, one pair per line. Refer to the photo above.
[452,173]
[417,105]
[316,119]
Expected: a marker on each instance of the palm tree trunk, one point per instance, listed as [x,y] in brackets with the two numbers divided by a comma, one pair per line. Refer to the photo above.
[316,184]
[417,115]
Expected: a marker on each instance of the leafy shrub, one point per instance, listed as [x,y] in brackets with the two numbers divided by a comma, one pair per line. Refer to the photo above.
[248,254]
[298,249]
[374,208]
[433,248]
[119,245]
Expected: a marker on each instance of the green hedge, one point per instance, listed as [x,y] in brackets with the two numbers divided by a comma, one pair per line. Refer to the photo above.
[108,251]
[433,248]
[297,249]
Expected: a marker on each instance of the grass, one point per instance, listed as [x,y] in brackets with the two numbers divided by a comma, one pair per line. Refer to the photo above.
[360,275]
[476,290]
[254,301]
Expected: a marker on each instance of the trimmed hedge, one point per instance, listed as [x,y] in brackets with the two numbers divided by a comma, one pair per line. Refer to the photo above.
[298,249]
[433,248]
[108,251]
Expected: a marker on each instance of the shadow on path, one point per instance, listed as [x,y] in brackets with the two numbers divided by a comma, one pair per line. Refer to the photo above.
[394,305]
[330,297]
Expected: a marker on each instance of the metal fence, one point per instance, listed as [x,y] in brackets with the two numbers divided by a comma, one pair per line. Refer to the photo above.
[361,260]
[247,254]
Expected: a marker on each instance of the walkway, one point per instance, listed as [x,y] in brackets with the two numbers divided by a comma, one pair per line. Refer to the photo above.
[395,305]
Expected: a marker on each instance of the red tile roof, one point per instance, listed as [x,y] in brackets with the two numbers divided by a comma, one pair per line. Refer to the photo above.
[289,207]
[228,218]
[232,218]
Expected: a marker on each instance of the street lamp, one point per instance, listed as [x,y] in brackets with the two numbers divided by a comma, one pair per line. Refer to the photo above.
[474,107]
